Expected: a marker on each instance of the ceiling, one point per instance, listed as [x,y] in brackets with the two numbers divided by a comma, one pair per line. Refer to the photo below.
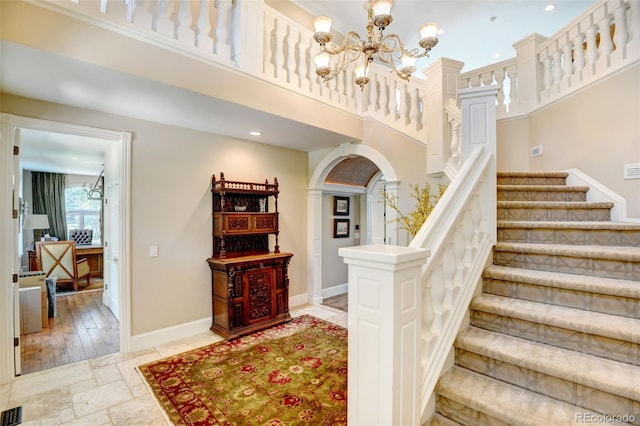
[474,31]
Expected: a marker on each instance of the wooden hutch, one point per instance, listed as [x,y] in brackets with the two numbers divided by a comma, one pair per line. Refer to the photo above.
[249,283]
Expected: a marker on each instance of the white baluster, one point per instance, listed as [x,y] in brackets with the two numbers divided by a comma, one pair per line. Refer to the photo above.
[372,104]
[592,50]
[634,22]
[499,76]
[512,73]
[547,78]
[384,96]
[475,81]
[427,307]
[423,101]
[606,45]
[578,53]
[454,142]
[278,53]
[557,66]
[303,57]
[141,16]
[269,40]
[291,40]
[223,49]
[621,35]
[204,40]
[487,78]
[403,108]
[164,25]
[184,32]
[567,68]
[414,109]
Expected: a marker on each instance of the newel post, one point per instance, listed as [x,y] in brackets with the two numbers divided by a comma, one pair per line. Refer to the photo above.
[384,334]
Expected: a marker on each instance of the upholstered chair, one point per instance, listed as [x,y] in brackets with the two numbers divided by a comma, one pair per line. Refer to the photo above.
[58,259]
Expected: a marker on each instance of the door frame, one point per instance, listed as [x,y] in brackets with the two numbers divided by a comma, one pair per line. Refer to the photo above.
[9,259]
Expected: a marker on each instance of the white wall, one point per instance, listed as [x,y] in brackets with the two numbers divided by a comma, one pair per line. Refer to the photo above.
[596,131]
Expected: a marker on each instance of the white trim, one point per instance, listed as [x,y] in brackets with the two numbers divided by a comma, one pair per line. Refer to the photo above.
[314,206]
[9,125]
[165,335]
[336,290]
[298,300]
[599,193]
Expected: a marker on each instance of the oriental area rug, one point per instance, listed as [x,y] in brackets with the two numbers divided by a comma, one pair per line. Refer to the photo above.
[291,374]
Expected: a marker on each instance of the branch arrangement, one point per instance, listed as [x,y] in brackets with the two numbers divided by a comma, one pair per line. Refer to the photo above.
[425,203]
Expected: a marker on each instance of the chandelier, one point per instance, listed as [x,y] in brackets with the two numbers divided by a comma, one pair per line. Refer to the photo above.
[385,48]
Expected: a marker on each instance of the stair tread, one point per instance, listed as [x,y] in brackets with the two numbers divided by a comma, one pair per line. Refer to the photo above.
[585,283]
[583,225]
[542,188]
[589,251]
[554,204]
[596,323]
[438,420]
[533,174]
[509,403]
[615,377]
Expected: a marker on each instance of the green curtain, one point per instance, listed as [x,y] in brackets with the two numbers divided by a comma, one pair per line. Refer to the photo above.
[48,198]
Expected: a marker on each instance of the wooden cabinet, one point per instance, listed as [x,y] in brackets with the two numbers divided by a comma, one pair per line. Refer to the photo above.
[249,282]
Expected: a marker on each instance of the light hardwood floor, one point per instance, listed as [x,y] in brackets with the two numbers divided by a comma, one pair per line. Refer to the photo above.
[83,328]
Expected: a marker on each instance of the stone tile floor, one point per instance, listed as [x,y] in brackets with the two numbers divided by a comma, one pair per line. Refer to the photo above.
[108,390]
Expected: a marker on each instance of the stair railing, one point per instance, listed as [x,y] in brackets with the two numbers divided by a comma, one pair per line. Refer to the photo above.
[460,233]
[255,39]
[406,304]
[604,40]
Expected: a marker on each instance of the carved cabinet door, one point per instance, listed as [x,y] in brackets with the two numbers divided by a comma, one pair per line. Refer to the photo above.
[260,294]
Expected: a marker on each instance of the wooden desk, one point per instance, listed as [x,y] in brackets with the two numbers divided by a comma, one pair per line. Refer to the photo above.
[93,254]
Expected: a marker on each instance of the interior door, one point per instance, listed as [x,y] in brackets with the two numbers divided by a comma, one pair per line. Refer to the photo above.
[111,296]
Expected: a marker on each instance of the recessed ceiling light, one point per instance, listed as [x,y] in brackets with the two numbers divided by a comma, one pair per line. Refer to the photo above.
[255,133]
[549,7]
[74,158]
[497,55]
[440,31]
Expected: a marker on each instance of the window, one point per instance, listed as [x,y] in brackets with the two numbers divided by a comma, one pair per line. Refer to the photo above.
[83,213]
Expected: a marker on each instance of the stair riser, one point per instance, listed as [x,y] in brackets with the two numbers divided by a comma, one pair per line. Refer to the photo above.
[549,196]
[562,389]
[569,236]
[463,414]
[531,180]
[607,268]
[574,214]
[605,347]
[604,303]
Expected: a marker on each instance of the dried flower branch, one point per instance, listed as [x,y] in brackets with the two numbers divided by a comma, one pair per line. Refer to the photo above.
[425,203]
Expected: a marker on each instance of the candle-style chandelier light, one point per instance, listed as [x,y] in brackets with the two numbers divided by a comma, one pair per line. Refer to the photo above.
[386,48]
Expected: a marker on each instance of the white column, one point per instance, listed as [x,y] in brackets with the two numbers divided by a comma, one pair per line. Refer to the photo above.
[443,77]
[314,246]
[248,25]
[384,334]
[528,74]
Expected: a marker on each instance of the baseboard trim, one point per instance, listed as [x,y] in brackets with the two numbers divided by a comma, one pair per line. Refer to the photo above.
[335,290]
[166,335]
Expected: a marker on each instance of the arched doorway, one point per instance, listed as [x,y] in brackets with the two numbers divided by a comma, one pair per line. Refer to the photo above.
[318,186]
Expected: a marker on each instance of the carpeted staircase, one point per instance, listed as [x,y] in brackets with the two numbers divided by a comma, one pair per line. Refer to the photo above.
[555,334]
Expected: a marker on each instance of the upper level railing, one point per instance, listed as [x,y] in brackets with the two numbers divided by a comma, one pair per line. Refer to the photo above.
[253,38]
[603,40]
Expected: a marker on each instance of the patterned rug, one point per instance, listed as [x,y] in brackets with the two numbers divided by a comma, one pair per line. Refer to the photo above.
[291,374]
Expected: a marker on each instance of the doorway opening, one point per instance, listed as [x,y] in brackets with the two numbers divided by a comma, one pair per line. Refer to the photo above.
[106,307]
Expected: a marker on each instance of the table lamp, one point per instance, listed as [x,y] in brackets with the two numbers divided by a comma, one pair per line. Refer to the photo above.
[36,221]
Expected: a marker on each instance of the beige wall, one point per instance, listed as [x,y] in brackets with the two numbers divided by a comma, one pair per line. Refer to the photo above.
[171,172]
[596,131]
